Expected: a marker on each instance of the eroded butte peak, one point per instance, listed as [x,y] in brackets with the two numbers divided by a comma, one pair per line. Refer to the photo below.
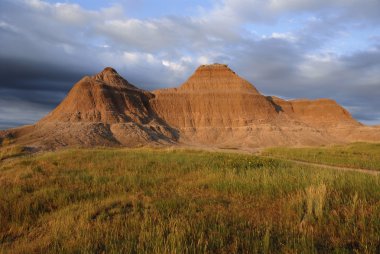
[109,76]
[105,97]
[216,77]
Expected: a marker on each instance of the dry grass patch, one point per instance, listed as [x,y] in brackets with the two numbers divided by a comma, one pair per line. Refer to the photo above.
[178,201]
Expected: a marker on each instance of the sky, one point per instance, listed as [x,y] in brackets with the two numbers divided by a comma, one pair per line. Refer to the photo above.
[287,48]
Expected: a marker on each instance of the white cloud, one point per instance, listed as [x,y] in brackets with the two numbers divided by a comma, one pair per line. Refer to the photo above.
[203,60]
[137,57]
[6,26]
[177,67]
[281,36]
[71,13]
[37,4]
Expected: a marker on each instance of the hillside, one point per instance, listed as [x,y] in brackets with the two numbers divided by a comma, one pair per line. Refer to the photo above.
[214,108]
[102,110]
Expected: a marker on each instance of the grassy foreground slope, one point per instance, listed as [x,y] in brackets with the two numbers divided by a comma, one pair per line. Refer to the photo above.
[356,155]
[178,201]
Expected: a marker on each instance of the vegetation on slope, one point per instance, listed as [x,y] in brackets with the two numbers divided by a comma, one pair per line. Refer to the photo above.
[157,201]
[356,155]
[10,151]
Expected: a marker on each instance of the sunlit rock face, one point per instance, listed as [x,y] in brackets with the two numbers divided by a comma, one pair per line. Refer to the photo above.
[214,108]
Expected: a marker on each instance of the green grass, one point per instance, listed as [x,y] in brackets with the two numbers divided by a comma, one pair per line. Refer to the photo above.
[357,155]
[178,201]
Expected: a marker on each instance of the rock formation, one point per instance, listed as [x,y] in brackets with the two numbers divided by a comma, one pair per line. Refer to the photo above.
[102,110]
[214,107]
[214,96]
[317,113]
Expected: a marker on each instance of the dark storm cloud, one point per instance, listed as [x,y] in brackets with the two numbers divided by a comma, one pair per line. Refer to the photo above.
[15,110]
[36,86]
[46,48]
[25,74]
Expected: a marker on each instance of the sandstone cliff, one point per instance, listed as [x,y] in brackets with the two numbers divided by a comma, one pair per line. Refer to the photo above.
[317,113]
[214,107]
[214,96]
[328,116]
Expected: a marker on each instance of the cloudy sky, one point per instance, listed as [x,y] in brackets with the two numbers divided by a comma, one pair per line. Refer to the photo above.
[288,48]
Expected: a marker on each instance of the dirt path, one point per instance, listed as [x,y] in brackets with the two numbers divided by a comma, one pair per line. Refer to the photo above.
[257,152]
[366,171]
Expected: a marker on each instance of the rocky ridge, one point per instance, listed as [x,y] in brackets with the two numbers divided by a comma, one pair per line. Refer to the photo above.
[214,107]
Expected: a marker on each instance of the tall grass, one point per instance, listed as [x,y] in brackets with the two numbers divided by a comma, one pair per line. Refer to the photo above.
[315,200]
[356,155]
[156,201]
[10,151]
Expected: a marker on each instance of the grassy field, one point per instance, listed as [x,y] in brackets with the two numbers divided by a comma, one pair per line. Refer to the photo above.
[357,155]
[178,201]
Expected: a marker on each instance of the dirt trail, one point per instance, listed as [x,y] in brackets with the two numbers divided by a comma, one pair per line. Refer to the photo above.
[366,171]
[258,151]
